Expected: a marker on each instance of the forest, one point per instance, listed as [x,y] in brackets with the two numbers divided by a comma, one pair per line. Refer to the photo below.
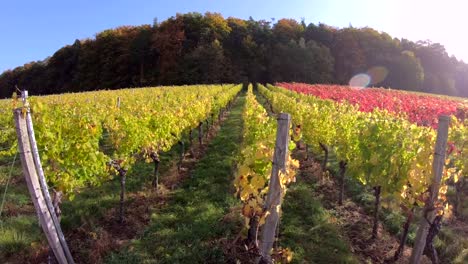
[196,48]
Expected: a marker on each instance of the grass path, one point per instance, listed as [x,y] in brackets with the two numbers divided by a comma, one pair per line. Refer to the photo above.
[190,227]
[308,229]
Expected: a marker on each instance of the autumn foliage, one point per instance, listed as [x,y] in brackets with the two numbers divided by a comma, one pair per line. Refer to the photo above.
[418,108]
[196,48]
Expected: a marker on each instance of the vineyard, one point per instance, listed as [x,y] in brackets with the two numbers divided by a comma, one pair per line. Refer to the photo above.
[221,174]
[419,109]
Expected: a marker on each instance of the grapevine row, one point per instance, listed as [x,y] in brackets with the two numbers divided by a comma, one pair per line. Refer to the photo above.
[377,148]
[78,134]
[255,164]
[418,108]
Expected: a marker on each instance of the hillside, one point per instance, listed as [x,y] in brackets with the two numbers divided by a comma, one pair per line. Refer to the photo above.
[184,174]
[193,48]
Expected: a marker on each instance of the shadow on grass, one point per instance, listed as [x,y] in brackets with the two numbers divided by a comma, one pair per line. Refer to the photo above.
[307,229]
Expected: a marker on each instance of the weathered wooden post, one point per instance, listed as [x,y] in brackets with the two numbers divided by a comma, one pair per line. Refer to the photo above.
[429,212]
[220,114]
[200,133]
[123,177]
[191,143]
[273,201]
[37,184]
[182,155]
[342,173]
[155,157]
[190,137]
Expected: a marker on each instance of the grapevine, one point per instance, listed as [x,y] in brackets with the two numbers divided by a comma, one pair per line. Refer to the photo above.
[380,149]
[255,165]
[78,134]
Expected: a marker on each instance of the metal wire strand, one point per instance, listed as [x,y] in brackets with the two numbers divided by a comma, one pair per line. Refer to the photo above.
[7,184]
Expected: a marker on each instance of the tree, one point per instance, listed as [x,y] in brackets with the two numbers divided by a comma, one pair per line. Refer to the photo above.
[179,50]
[205,64]
[141,56]
[61,68]
[439,72]
[322,34]
[168,43]
[405,72]
[303,62]
[287,29]
[350,59]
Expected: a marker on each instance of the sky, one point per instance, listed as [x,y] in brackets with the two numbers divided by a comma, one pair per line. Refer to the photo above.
[33,30]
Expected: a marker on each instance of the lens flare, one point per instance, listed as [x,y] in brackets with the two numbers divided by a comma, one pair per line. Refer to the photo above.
[377,74]
[374,75]
[361,80]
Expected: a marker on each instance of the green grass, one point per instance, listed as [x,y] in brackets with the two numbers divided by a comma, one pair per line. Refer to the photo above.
[188,229]
[17,232]
[306,228]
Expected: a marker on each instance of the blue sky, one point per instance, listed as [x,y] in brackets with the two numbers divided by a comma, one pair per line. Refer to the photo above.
[32,30]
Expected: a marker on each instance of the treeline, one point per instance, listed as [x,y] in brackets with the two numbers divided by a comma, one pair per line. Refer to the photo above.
[194,49]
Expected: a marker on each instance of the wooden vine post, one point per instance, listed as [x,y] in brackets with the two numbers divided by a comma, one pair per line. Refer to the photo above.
[37,184]
[155,157]
[273,201]
[200,133]
[429,212]
[182,155]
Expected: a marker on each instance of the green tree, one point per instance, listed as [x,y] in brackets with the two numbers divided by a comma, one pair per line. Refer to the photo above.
[405,72]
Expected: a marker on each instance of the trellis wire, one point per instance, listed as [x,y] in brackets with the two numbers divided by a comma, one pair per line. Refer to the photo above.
[6,187]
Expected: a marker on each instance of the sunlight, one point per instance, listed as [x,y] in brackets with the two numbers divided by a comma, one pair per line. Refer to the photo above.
[377,74]
[361,80]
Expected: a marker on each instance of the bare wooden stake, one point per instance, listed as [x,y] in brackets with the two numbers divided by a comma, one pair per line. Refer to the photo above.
[44,187]
[429,212]
[375,228]
[200,133]
[190,147]
[190,138]
[123,177]
[40,197]
[325,158]
[182,155]
[155,157]
[273,201]
[342,181]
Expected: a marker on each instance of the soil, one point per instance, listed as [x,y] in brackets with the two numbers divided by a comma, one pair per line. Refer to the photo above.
[355,224]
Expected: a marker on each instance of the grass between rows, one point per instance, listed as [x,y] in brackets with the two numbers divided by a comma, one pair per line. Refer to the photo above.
[307,229]
[190,228]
